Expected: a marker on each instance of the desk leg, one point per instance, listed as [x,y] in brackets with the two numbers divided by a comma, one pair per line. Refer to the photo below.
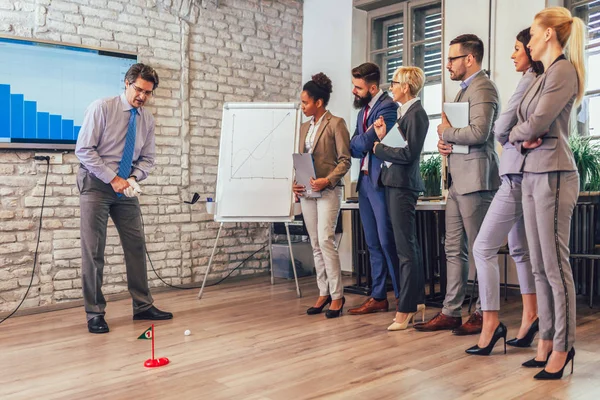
[438,266]
[360,258]
[271,253]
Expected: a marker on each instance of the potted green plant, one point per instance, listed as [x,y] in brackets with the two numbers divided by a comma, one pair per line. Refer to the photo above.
[587,158]
[431,172]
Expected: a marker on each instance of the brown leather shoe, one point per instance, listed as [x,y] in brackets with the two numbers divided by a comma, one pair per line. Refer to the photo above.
[439,323]
[370,306]
[471,327]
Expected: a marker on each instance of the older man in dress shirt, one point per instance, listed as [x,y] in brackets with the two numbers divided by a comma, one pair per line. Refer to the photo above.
[116,150]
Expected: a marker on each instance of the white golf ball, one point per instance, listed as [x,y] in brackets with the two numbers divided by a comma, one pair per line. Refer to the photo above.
[187,332]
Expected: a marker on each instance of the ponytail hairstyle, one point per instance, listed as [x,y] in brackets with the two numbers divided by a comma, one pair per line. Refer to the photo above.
[570,32]
[319,87]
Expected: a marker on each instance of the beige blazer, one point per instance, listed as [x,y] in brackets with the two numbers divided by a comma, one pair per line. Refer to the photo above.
[331,148]
[544,112]
[478,170]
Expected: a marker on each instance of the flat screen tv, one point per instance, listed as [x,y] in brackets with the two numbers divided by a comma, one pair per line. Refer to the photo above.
[45,88]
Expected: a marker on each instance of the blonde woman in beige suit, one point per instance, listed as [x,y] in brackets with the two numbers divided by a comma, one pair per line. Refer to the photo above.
[550,180]
[327,138]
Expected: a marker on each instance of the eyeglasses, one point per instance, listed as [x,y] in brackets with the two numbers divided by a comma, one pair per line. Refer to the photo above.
[392,83]
[146,93]
[451,59]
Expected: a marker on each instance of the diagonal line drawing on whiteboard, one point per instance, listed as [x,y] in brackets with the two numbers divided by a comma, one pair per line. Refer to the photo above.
[256,159]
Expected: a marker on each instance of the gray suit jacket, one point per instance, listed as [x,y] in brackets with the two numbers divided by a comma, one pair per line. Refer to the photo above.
[477,170]
[511,159]
[544,113]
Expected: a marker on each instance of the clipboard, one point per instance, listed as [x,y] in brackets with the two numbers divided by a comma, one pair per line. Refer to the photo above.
[304,168]
[458,116]
[394,138]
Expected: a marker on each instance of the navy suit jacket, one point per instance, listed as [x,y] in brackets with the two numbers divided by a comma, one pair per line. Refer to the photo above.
[362,143]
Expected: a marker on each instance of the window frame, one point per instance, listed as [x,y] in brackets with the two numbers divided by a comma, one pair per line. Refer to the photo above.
[406,9]
[571,5]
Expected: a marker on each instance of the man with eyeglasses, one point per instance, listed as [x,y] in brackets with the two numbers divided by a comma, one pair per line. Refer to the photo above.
[116,149]
[373,103]
[473,179]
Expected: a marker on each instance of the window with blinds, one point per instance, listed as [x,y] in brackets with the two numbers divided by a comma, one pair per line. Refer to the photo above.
[427,41]
[408,35]
[395,41]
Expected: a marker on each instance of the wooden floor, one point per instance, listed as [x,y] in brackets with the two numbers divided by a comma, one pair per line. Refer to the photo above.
[251,340]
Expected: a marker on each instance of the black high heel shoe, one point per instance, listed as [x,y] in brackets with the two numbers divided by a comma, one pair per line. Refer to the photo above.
[500,332]
[526,340]
[551,376]
[336,313]
[317,310]
[533,363]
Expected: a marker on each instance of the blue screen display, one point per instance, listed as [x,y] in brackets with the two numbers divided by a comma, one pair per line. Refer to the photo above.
[46,87]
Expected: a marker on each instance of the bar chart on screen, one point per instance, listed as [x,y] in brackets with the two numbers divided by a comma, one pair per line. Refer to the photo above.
[46,87]
[20,119]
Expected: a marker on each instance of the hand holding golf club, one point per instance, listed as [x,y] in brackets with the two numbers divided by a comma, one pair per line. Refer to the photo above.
[133,189]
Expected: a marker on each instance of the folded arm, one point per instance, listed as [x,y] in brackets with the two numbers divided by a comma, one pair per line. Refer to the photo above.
[415,132]
[482,109]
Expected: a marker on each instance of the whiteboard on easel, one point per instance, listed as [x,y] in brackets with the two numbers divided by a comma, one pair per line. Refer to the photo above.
[256,172]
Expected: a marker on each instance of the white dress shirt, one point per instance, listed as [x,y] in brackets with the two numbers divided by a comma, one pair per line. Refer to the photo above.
[312,132]
[365,166]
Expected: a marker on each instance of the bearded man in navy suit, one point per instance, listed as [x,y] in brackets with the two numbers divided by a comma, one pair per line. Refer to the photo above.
[373,103]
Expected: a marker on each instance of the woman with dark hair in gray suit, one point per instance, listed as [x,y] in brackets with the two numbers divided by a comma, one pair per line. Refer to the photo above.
[550,179]
[505,217]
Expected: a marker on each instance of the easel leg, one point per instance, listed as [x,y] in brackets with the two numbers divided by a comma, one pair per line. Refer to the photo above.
[287,231]
[271,254]
[210,261]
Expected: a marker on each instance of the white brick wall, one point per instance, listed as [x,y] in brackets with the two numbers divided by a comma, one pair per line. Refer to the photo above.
[244,50]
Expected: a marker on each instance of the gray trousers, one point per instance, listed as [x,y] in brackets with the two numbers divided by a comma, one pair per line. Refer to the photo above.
[97,201]
[504,217]
[464,216]
[320,217]
[402,207]
[548,203]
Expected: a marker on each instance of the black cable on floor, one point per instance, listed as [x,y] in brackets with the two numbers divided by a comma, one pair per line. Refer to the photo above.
[47,159]
[192,287]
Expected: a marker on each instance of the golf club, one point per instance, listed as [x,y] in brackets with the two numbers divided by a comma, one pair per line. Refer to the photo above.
[194,200]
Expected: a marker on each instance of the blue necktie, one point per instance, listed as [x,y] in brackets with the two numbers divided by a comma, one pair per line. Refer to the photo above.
[127,158]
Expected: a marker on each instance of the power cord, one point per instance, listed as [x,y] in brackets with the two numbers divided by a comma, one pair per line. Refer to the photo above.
[47,159]
[192,287]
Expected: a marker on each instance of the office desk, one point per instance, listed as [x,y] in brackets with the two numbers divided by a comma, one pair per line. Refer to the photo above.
[431,229]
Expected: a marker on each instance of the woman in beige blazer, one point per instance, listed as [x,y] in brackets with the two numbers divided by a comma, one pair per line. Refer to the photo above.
[327,138]
[550,184]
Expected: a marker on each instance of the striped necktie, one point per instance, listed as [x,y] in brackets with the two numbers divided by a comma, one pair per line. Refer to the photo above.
[365,158]
[127,158]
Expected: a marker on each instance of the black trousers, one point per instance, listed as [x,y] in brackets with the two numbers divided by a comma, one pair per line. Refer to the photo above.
[402,208]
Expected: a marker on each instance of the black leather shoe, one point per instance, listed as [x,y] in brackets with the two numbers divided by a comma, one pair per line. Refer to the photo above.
[317,310]
[153,314]
[526,340]
[533,363]
[97,325]
[499,333]
[552,376]
[336,313]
